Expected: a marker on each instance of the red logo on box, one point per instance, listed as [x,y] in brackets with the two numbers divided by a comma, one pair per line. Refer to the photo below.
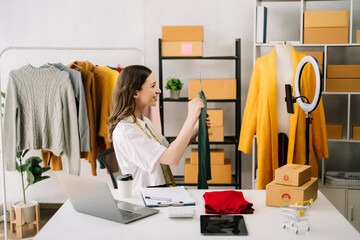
[286,177]
[286,196]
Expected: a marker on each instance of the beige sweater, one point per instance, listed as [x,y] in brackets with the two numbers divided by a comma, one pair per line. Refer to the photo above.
[40,113]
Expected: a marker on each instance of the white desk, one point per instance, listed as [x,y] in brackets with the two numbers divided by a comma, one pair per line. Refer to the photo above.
[266,223]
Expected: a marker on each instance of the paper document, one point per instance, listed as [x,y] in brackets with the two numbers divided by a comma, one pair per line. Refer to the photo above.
[166,196]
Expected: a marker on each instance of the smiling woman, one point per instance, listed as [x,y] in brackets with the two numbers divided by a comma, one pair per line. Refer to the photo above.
[140,149]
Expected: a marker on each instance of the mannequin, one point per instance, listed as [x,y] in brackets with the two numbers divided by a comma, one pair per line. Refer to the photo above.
[284,75]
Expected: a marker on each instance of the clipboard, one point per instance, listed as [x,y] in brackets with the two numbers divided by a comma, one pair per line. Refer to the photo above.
[166,196]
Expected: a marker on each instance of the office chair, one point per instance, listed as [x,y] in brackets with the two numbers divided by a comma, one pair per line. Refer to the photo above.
[107,159]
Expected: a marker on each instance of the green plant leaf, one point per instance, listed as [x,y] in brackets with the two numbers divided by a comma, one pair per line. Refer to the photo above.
[18,154]
[25,152]
[38,179]
[30,177]
[3,94]
[17,167]
[173,84]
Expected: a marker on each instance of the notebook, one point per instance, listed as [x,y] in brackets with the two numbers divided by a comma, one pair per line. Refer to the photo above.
[94,198]
[166,196]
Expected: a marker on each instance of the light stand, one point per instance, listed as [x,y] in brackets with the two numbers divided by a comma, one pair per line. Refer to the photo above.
[305,106]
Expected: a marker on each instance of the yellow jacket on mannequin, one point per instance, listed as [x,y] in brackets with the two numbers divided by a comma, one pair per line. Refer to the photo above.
[260,118]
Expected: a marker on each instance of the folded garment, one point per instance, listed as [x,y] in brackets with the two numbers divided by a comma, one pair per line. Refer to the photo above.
[226,202]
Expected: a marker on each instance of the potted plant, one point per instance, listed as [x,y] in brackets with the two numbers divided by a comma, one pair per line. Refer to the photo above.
[174,85]
[34,171]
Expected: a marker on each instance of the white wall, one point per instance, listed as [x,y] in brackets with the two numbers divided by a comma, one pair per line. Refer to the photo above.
[127,23]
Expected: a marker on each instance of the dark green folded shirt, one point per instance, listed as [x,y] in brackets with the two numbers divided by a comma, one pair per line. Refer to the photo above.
[204,171]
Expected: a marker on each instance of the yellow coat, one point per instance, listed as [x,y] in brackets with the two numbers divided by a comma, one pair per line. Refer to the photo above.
[260,117]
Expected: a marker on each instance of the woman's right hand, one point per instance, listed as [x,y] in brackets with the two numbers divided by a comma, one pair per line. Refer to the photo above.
[194,108]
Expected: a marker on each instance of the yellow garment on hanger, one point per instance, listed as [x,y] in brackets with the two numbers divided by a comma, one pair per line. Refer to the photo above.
[112,79]
[260,117]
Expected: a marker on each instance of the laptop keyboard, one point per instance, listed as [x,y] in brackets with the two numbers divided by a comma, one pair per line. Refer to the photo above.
[127,215]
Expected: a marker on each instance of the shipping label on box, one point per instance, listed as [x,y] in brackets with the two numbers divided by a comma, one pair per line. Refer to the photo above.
[217,156]
[213,88]
[343,71]
[216,117]
[281,195]
[326,35]
[182,49]
[216,134]
[221,174]
[293,174]
[182,33]
[334,131]
[322,19]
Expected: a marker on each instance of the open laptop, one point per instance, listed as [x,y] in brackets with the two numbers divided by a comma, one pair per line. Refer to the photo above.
[94,198]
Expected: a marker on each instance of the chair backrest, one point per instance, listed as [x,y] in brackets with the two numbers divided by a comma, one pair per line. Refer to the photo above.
[107,159]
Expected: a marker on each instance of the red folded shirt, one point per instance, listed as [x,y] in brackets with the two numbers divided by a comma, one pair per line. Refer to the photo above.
[226,202]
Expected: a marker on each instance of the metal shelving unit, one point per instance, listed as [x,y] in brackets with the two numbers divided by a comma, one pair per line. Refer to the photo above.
[230,140]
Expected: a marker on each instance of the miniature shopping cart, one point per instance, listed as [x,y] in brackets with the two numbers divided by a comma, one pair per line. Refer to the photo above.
[296,215]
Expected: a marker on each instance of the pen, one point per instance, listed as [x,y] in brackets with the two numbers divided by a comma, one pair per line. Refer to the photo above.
[170,204]
[158,198]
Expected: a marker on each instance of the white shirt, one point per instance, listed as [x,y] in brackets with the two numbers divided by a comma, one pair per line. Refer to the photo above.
[138,152]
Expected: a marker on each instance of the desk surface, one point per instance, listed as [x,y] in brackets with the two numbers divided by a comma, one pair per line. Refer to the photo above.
[266,223]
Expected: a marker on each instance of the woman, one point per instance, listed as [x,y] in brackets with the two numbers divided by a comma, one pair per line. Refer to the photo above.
[138,146]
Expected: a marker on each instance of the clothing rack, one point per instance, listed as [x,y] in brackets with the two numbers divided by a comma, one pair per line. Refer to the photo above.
[136,50]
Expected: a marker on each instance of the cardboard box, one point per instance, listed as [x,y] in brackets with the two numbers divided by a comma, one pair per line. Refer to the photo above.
[326,35]
[334,131]
[281,195]
[217,156]
[343,85]
[213,88]
[319,56]
[356,132]
[357,36]
[343,71]
[314,19]
[182,49]
[216,134]
[293,174]
[182,33]
[219,173]
[216,117]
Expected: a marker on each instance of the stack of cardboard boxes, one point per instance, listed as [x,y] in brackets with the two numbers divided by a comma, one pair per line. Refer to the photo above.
[326,27]
[293,183]
[182,41]
[220,167]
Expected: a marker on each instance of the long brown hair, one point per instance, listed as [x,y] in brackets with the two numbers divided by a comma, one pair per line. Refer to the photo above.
[130,80]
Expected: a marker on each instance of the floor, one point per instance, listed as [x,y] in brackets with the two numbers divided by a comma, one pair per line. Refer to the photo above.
[46,212]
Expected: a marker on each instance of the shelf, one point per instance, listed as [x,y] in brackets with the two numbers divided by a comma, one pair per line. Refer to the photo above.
[342,187]
[227,140]
[186,100]
[201,58]
[180,182]
[344,140]
[310,45]
[340,93]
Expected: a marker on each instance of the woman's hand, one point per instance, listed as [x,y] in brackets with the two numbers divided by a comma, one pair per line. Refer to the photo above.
[194,108]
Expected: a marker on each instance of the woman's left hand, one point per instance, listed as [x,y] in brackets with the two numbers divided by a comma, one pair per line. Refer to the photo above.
[208,123]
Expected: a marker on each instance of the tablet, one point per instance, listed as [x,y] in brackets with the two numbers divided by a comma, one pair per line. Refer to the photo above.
[223,225]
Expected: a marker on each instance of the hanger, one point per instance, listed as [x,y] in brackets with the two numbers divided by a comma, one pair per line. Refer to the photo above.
[77,65]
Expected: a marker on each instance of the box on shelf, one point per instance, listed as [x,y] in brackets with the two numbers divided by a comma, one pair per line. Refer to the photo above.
[217,156]
[182,33]
[343,71]
[216,134]
[357,36]
[356,132]
[334,131]
[213,88]
[293,174]
[343,85]
[216,117]
[281,195]
[182,49]
[326,27]
[219,173]
[319,56]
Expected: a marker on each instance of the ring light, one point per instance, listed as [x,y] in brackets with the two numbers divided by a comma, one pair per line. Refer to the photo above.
[308,107]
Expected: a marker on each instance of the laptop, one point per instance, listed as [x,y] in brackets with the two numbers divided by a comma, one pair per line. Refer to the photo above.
[94,198]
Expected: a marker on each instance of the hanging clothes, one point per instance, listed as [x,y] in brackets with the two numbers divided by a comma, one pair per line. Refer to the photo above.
[204,167]
[260,117]
[40,113]
[88,80]
[112,79]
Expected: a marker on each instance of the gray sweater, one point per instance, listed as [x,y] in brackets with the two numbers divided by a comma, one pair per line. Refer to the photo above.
[79,93]
[40,113]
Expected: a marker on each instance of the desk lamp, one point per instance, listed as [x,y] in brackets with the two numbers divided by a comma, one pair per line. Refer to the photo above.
[305,106]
